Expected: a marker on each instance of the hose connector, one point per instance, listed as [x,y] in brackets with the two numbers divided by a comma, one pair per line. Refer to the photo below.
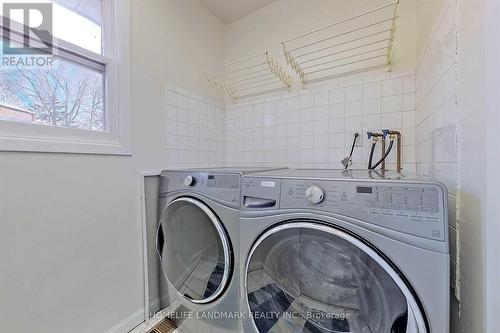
[375,135]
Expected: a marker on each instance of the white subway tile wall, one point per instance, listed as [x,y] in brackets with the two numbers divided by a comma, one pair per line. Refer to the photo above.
[437,118]
[195,130]
[315,128]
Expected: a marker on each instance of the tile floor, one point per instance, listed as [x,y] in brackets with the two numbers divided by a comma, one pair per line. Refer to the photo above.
[204,280]
[276,311]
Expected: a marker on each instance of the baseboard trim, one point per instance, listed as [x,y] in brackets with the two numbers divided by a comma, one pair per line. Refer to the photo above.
[129,323]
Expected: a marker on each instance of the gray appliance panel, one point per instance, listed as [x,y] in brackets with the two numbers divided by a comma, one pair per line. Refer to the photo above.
[411,208]
[220,186]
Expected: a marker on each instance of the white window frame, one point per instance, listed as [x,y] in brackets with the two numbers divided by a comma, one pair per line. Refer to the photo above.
[116,139]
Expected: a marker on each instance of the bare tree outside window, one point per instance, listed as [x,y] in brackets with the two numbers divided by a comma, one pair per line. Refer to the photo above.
[68,93]
[65,95]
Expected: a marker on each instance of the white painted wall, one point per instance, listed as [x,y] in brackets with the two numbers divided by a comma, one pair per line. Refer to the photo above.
[283,19]
[69,242]
[193,41]
[493,161]
[472,159]
[70,238]
[429,14]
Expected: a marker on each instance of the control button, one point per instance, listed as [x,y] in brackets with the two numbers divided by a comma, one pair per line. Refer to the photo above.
[315,194]
[189,181]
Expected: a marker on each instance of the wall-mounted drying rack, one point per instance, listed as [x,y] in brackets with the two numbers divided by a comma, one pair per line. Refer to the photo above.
[358,44]
[255,75]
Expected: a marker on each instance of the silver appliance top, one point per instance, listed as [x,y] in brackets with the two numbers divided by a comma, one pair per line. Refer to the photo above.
[341,174]
[239,170]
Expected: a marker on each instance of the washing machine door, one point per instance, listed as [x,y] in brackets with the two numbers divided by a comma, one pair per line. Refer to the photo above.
[306,276]
[194,249]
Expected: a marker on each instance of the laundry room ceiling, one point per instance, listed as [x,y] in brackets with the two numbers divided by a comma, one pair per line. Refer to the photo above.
[229,11]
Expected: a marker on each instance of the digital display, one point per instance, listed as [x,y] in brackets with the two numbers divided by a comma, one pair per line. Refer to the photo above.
[223,181]
[364,190]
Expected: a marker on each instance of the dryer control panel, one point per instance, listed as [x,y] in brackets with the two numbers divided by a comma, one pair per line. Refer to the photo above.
[413,208]
[219,186]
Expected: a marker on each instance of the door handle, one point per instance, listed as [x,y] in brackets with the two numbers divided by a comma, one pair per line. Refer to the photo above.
[253,202]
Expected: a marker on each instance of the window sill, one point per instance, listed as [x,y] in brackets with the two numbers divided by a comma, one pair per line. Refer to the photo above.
[9,144]
[23,137]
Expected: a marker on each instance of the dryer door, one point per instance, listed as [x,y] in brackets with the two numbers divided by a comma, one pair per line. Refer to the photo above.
[304,276]
[195,252]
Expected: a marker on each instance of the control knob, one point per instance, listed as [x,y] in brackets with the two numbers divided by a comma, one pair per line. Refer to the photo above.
[189,180]
[315,194]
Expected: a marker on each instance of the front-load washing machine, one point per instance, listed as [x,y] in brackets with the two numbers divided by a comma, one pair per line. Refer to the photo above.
[197,241]
[343,251]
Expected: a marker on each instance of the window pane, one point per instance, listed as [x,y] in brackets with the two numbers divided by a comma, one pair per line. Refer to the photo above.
[79,22]
[76,21]
[66,94]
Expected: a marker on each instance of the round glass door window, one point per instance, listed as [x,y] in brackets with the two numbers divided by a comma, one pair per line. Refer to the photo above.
[194,249]
[309,277]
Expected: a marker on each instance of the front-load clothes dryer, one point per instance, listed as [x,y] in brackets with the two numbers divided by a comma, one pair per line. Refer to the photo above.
[336,251]
[198,244]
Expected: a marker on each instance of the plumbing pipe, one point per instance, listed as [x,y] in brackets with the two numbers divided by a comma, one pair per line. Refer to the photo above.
[399,147]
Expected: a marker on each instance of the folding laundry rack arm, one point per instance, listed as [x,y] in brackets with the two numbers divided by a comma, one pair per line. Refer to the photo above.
[357,44]
[257,74]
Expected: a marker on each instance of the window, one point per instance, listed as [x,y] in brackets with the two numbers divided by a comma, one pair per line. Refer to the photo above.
[59,91]
[68,94]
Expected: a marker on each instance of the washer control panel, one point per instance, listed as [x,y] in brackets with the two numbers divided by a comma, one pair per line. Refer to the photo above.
[225,187]
[413,208]
[417,209]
